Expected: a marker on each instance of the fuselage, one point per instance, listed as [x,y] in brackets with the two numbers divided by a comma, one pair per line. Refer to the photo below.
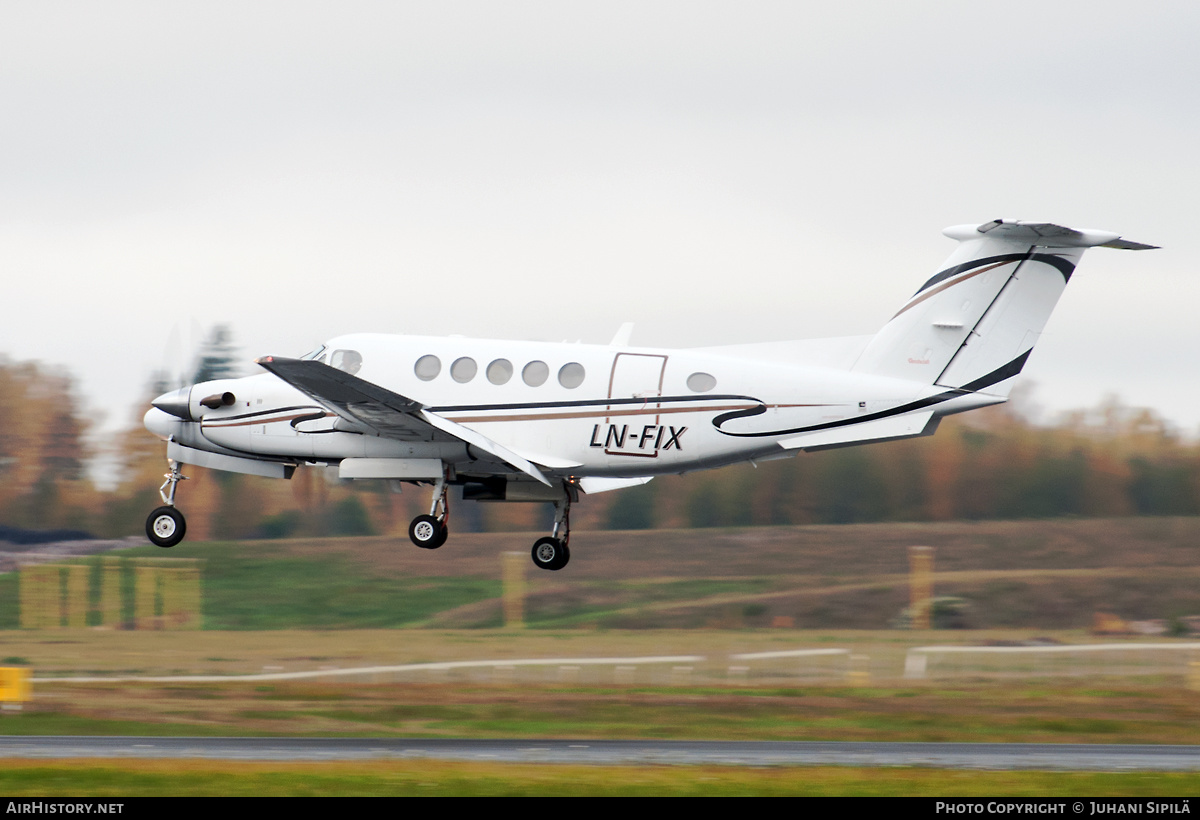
[573,409]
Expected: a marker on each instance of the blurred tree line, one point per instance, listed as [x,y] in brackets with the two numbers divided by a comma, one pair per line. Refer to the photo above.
[993,463]
[988,464]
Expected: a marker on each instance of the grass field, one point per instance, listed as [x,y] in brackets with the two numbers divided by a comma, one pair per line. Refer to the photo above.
[1051,574]
[127,778]
[1095,710]
[536,702]
[307,604]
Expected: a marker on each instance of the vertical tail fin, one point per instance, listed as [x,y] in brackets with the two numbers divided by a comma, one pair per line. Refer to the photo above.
[974,323]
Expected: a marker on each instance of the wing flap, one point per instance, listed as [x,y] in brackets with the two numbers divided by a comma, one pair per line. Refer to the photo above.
[484,443]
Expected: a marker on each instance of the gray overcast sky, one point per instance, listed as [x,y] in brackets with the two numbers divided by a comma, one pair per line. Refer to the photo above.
[714,172]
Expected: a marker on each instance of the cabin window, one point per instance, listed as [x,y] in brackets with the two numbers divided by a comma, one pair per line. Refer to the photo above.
[571,375]
[427,368]
[701,382]
[347,360]
[535,373]
[463,370]
[500,371]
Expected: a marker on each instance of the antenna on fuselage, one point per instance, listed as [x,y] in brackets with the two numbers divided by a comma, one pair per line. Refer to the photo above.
[621,339]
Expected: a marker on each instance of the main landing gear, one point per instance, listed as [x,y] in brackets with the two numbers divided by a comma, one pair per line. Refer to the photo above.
[430,531]
[553,552]
[166,526]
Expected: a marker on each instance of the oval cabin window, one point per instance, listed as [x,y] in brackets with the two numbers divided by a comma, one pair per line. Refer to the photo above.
[535,373]
[701,382]
[500,371]
[463,370]
[427,368]
[571,375]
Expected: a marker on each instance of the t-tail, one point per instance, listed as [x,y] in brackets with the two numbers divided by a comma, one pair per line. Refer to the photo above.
[974,323]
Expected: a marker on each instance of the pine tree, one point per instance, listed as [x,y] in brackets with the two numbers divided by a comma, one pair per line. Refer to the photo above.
[218,357]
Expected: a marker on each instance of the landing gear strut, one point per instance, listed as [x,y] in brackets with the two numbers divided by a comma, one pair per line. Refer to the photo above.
[166,526]
[553,553]
[430,531]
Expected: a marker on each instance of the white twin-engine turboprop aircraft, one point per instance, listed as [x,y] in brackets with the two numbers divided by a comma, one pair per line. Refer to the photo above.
[531,421]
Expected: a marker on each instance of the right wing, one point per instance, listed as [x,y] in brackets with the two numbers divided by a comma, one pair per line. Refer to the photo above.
[389,414]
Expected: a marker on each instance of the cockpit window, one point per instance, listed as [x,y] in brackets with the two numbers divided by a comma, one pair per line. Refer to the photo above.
[314,355]
[347,360]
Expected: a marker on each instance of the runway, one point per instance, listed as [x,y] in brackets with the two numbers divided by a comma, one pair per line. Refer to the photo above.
[996,756]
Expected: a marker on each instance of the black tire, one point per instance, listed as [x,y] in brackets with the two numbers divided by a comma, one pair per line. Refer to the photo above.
[165,527]
[427,532]
[550,553]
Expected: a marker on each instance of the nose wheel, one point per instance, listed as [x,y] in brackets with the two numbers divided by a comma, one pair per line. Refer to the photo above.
[166,526]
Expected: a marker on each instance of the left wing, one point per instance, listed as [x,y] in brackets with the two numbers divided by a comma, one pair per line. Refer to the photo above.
[390,414]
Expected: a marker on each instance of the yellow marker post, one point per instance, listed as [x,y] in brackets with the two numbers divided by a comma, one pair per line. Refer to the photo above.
[920,586]
[14,686]
[514,589]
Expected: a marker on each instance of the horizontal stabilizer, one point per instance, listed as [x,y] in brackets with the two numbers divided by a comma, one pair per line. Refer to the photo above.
[1126,245]
[907,426]
[1044,235]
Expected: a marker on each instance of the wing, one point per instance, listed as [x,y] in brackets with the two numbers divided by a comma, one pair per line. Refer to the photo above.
[389,414]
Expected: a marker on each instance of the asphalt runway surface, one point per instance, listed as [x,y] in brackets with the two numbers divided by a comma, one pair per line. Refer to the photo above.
[996,756]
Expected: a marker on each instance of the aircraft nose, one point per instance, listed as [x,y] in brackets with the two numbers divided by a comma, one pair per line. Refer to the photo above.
[175,403]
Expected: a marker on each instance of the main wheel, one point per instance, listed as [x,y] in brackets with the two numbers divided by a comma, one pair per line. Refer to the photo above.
[427,532]
[550,553]
[165,527]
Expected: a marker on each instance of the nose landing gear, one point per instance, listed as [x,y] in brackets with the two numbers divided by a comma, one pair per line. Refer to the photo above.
[166,526]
